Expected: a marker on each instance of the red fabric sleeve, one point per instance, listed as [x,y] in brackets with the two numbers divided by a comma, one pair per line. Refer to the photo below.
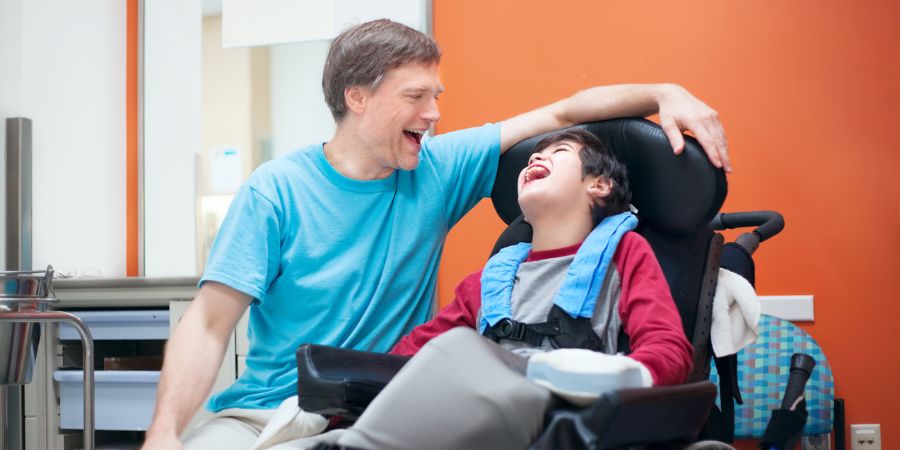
[649,315]
[462,312]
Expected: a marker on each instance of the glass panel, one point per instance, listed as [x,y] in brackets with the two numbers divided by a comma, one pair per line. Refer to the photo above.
[258,103]
[208,124]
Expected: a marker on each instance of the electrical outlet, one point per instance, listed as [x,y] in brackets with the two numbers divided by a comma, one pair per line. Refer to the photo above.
[865,437]
[817,442]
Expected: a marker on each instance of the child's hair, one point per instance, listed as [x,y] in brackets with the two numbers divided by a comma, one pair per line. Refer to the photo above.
[597,160]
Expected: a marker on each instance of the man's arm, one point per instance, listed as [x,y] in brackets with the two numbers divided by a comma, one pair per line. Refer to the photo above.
[192,359]
[678,111]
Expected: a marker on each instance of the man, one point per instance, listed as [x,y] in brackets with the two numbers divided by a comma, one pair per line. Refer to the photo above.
[334,245]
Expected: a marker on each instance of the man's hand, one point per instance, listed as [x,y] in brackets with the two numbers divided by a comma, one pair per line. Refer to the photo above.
[680,111]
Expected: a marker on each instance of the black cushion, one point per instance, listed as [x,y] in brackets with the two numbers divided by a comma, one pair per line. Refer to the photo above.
[686,190]
[631,417]
[337,381]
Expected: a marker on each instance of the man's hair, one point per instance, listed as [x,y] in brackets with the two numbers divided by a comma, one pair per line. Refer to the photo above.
[597,160]
[362,55]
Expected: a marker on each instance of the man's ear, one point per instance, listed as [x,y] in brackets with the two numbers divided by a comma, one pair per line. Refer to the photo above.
[356,97]
[599,188]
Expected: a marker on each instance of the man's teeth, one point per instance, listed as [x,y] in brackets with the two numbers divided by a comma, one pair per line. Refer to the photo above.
[419,132]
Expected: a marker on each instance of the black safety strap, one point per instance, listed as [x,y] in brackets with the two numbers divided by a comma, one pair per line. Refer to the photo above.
[530,333]
[574,332]
[563,330]
[729,393]
[623,344]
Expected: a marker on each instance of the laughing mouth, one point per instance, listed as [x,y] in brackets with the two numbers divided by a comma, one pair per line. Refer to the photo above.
[536,172]
[415,135]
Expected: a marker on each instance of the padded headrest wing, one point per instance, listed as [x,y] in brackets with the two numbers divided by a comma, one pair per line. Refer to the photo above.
[674,193]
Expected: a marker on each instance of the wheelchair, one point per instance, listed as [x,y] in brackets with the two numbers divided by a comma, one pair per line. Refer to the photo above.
[677,198]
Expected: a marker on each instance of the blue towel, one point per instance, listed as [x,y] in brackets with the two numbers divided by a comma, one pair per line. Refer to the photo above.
[584,279]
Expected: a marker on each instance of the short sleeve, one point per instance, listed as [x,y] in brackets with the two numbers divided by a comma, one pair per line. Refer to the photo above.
[245,255]
[466,163]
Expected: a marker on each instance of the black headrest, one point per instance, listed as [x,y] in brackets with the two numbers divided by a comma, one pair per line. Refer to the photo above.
[686,190]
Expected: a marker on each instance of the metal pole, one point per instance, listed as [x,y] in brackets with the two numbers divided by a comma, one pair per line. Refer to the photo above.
[87,357]
[18,255]
[4,432]
[18,194]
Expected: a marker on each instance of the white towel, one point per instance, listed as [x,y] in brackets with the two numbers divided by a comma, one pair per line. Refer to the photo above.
[582,376]
[288,423]
[735,314]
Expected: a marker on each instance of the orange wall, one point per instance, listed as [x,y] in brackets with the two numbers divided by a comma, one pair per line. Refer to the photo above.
[808,92]
[132,266]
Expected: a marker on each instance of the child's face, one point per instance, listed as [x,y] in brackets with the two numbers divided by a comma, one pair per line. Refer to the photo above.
[552,183]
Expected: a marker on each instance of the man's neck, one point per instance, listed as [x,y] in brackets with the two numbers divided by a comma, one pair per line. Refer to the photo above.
[353,158]
[558,232]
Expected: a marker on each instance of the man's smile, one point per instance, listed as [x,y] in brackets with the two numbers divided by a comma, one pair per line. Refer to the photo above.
[414,135]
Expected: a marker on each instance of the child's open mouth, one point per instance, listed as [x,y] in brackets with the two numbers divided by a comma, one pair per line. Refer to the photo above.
[414,135]
[536,172]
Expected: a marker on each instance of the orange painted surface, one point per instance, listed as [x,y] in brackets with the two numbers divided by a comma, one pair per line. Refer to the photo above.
[131,141]
[809,95]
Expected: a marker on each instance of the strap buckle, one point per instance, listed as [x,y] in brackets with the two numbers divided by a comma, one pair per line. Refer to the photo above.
[511,329]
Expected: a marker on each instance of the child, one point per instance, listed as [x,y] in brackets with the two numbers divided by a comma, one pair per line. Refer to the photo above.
[571,183]
[586,281]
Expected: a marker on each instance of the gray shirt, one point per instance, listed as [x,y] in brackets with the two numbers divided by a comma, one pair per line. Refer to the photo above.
[535,287]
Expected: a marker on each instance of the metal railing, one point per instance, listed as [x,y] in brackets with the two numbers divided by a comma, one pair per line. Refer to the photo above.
[24,300]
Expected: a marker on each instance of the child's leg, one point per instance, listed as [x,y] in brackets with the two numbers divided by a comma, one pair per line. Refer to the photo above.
[459,391]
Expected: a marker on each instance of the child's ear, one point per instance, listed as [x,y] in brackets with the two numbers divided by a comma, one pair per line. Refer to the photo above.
[600,187]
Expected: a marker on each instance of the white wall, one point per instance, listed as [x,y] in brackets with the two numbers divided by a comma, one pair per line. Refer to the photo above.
[172,134]
[10,92]
[299,114]
[254,23]
[62,64]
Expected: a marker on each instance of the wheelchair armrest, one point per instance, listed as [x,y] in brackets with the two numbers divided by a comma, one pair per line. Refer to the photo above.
[337,381]
[631,417]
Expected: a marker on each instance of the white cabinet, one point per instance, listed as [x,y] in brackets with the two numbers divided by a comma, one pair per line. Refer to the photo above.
[133,315]
[123,399]
[121,325]
[126,342]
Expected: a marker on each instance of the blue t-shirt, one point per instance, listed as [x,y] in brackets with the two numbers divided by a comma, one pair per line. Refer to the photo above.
[337,261]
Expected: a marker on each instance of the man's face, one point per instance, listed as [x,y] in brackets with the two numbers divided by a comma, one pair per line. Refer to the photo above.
[552,182]
[398,113]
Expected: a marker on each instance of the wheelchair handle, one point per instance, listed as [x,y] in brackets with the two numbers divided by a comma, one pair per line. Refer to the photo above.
[767,223]
[802,366]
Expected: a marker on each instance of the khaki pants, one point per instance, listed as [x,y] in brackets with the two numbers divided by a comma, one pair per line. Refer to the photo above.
[244,429]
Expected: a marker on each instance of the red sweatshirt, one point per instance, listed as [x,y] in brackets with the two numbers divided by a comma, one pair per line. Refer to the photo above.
[645,308]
